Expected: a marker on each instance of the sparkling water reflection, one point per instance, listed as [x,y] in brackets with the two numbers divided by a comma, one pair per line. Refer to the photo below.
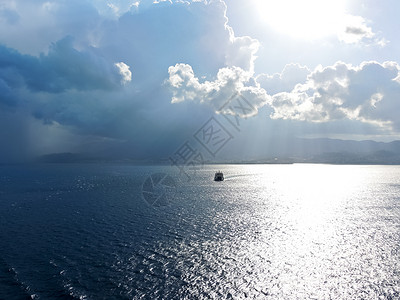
[266,232]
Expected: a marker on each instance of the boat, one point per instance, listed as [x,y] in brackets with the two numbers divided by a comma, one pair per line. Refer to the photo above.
[219,176]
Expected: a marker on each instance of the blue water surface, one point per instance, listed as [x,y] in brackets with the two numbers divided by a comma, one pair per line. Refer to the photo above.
[86,231]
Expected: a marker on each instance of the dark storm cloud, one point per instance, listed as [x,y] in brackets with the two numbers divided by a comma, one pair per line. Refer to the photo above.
[82,84]
[61,69]
[6,95]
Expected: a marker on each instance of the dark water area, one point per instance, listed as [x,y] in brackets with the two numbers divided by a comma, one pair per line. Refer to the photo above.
[266,232]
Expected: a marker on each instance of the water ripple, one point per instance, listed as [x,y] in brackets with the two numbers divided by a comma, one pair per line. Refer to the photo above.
[267,232]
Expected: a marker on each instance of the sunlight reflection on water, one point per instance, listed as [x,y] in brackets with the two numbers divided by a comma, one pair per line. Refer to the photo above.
[321,240]
[305,231]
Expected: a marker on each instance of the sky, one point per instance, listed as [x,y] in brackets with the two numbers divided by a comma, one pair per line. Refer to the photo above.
[140,78]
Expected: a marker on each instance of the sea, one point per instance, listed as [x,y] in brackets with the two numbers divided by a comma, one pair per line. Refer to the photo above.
[116,231]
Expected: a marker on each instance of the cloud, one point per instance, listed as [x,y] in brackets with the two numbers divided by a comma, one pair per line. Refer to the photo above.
[241,51]
[66,70]
[30,26]
[367,93]
[8,16]
[80,84]
[230,81]
[355,30]
[62,83]
[285,81]
[6,94]
[124,71]
[61,69]
[236,77]
[115,8]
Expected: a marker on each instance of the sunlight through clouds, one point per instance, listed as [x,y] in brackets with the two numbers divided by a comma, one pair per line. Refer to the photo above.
[314,19]
[303,19]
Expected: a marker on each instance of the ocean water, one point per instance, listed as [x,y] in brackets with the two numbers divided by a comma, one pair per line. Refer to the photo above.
[139,232]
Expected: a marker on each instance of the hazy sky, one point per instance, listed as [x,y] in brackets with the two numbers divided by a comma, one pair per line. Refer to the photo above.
[139,78]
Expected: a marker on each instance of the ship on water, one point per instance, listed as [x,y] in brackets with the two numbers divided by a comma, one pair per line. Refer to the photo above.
[219,176]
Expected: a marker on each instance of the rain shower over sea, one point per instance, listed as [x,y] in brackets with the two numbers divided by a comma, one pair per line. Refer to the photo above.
[300,231]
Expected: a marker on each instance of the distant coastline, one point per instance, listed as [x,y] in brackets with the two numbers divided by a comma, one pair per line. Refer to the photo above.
[327,158]
[316,151]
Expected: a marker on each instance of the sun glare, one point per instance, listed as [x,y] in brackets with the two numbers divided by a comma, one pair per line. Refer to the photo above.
[309,19]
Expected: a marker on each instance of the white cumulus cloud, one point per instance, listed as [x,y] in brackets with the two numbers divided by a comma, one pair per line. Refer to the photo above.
[230,81]
[355,30]
[242,51]
[236,77]
[124,71]
[367,93]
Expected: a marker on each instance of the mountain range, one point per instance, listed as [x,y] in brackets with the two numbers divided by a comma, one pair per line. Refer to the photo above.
[297,150]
